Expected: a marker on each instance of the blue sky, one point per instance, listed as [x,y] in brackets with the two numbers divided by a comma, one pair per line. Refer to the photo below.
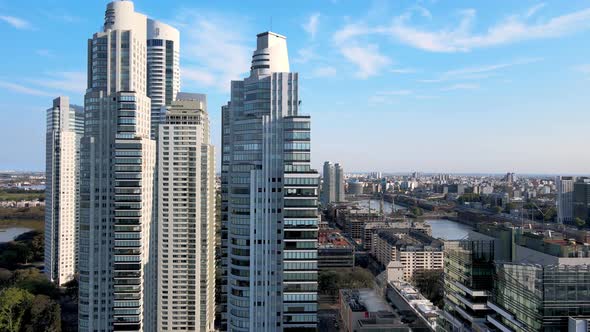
[436,86]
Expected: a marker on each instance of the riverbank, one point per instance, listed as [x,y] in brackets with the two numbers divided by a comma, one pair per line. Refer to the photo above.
[38,225]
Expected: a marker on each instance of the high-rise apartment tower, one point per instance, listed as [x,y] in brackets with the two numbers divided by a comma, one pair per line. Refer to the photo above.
[271,194]
[186,218]
[65,126]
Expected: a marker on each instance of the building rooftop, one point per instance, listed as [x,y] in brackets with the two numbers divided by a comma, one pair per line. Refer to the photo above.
[364,299]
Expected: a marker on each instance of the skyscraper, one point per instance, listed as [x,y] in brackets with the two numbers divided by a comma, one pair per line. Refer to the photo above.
[65,126]
[565,199]
[339,182]
[117,251]
[186,218]
[163,56]
[271,194]
[328,184]
[333,183]
[581,199]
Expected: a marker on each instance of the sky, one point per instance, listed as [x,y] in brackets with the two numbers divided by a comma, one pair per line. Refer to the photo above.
[393,86]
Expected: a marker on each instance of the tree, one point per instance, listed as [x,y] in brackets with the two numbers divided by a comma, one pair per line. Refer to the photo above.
[497,209]
[14,305]
[45,315]
[430,284]
[579,222]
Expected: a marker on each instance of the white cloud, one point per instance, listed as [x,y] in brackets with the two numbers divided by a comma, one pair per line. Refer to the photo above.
[14,87]
[478,72]
[216,48]
[461,86]
[462,38]
[387,97]
[584,69]
[404,70]
[367,58]
[534,10]
[63,82]
[327,71]
[44,52]
[304,55]
[16,22]
[311,26]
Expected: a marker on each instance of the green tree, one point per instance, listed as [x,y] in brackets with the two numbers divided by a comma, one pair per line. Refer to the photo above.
[497,209]
[14,305]
[579,222]
[45,315]
[430,284]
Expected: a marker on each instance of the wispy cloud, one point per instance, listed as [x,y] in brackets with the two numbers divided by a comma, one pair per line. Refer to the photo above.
[17,22]
[216,48]
[50,84]
[462,38]
[18,88]
[44,52]
[534,9]
[62,82]
[304,55]
[404,70]
[311,26]
[388,96]
[326,71]
[478,72]
[584,69]
[367,58]
[461,86]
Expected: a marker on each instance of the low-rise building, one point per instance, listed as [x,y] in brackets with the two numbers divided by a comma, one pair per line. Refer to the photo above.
[363,310]
[415,250]
[334,250]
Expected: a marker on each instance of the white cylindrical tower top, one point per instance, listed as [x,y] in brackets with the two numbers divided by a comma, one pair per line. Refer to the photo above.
[271,54]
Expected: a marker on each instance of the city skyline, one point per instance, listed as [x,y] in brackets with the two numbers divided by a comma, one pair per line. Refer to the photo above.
[471,97]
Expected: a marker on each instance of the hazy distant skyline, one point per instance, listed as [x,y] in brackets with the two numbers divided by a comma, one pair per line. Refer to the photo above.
[431,86]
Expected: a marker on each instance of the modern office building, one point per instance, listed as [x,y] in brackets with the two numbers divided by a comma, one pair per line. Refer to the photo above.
[186,218]
[565,199]
[468,279]
[271,194]
[117,251]
[532,297]
[333,183]
[163,58]
[65,126]
[581,197]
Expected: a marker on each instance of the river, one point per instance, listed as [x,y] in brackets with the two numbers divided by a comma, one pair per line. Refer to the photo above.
[9,234]
[447,229]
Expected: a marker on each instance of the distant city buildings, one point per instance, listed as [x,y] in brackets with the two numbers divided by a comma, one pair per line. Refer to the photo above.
[65,127]
[333,183]
[186,218]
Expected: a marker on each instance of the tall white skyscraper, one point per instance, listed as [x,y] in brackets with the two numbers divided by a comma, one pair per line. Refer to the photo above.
[565,199]
[339,182]
[186,218]
[117,234]
[328,184]
[333,183]
[65,126]
[271,197]
[163,52]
